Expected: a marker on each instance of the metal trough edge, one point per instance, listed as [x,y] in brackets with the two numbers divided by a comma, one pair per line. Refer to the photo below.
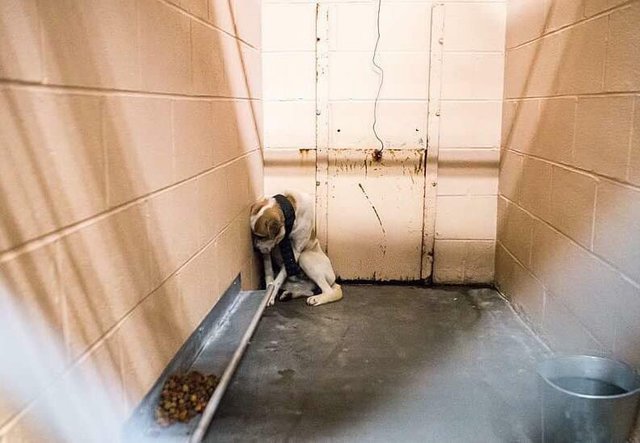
[215,399]
[210,343]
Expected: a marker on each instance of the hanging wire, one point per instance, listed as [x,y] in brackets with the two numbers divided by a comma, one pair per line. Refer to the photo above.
[378,153]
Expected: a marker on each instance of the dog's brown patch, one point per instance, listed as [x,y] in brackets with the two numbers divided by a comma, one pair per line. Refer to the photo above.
[255,208]
[269,223]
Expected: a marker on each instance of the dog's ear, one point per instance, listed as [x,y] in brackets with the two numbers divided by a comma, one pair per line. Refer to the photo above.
[273,228]
[255,208]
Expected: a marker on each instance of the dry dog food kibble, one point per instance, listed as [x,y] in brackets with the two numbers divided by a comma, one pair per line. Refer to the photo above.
[184,396]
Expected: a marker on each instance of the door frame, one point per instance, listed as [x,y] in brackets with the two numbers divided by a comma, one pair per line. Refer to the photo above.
[430,168]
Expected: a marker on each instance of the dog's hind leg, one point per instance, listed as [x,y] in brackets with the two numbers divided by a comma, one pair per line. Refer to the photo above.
[334,294]
[315,263]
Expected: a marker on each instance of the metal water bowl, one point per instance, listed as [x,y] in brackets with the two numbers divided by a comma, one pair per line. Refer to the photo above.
[588,399]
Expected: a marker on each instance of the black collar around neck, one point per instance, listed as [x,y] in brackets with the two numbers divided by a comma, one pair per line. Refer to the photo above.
[286,250]
[288,211]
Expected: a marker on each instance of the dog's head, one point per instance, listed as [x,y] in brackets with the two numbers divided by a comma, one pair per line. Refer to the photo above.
[267,224]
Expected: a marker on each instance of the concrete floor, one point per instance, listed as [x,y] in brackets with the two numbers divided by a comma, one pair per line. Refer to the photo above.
[387,363]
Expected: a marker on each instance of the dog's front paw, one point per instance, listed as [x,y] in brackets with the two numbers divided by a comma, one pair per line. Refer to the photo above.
[285,296]
[272,300]
[314,300]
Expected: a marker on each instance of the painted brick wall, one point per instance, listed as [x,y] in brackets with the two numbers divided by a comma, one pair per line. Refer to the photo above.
[129,153]
[569,232]
[472,84]
[289,92]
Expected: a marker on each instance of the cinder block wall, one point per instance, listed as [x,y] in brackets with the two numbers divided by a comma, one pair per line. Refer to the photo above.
[471,77]
[469,138]
[569,210]
[289,92]
[129,153]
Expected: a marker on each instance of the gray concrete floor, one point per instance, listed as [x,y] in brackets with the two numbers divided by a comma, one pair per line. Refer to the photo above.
[387,363]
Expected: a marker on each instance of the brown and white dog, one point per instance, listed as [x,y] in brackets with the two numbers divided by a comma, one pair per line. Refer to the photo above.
[268,227]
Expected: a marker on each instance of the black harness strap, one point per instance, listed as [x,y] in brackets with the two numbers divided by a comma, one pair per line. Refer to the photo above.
[286,250]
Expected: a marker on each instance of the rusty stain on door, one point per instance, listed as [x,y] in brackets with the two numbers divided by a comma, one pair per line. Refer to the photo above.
[375,214]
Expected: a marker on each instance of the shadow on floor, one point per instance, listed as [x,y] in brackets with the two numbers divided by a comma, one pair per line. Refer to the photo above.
[388,362]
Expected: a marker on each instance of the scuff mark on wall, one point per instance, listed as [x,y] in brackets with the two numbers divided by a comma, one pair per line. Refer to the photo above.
[375,211]
[419,167]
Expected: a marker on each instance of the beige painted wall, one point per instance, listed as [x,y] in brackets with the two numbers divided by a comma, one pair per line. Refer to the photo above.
[469,127]
[129,153]
[569,210]
[469,132]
